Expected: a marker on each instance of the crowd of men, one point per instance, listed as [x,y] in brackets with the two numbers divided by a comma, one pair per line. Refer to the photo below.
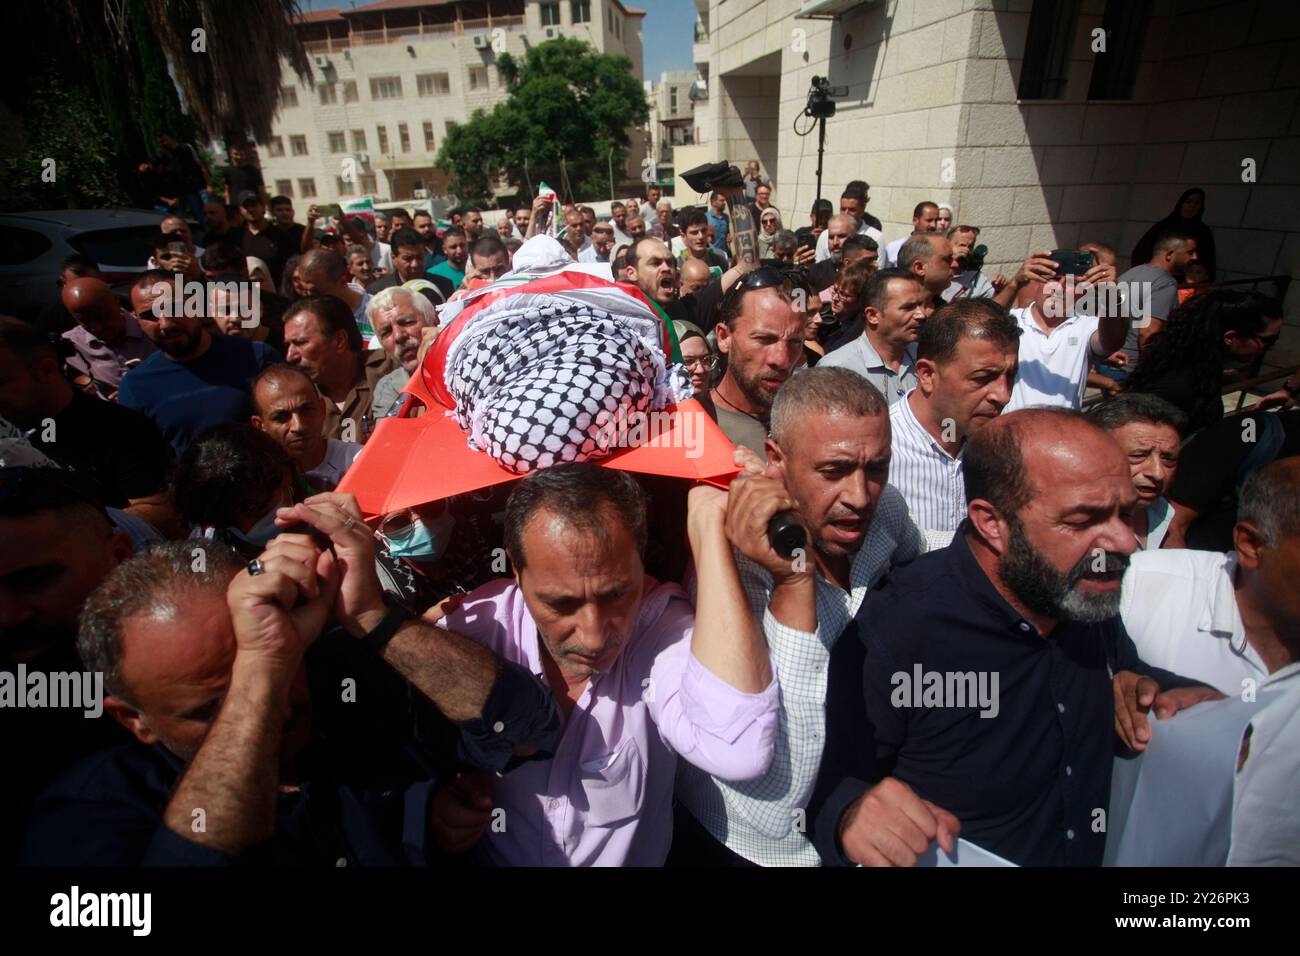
[588,668]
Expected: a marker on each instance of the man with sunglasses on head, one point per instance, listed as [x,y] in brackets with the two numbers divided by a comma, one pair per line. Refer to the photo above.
[761,326]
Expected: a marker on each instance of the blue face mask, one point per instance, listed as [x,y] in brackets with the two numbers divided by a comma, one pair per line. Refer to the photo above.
[261,533]
[422,540]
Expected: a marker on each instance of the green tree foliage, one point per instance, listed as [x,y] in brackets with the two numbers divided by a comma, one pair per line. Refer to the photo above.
[69,160]
[95,81]
[565,121]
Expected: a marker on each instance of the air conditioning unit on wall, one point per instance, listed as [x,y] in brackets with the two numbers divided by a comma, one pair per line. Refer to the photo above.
[481,41]
[552,33]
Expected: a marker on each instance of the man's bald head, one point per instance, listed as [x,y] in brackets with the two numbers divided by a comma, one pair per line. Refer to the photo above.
[323,272]
[694,276]
[1023,451]
[276,378]
[1050,498]
[92,304]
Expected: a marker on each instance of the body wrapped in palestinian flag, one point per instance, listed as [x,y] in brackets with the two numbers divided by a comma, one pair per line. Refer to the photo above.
[552,362]
[539,375]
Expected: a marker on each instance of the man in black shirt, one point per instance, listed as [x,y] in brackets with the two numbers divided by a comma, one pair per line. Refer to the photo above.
[990,678]
[56,546]
[183,162]
[819,218]
[242,176]
[262,239]
[118,451]
[653,270]
[1213,465]
[282,222]
[216,224]
[409,257]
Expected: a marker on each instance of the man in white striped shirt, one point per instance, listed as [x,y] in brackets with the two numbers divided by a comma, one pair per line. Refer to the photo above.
[966,360]
[828,460]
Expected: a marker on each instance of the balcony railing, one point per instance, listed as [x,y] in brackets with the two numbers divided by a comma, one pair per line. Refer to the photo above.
[406,34]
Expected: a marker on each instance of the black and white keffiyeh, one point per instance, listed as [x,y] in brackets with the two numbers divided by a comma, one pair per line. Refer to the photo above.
[540,377]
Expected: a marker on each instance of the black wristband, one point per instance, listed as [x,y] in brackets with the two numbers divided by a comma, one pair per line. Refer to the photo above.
[383,632]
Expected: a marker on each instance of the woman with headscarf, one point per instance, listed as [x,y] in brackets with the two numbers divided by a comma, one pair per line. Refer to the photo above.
[944,222]
[768,226]
[1186,215]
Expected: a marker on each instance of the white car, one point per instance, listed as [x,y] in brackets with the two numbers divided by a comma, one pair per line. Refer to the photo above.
[33,246]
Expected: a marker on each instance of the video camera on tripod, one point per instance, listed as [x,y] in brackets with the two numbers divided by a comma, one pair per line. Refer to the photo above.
[822,96]
[821,104]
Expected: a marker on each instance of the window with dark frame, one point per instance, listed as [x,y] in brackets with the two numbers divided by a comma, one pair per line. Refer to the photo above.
[1114,70]
[1046,65]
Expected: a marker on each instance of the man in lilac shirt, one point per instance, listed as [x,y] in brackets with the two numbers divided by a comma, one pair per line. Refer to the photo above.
[107,338]
[638,675]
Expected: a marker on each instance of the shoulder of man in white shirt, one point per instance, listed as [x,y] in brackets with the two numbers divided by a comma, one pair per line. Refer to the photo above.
[1179,577]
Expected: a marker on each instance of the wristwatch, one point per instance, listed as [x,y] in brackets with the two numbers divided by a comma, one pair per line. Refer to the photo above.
[383,632]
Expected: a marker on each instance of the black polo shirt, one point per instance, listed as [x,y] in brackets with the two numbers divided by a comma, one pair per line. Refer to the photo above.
[1026,781]
[117,448]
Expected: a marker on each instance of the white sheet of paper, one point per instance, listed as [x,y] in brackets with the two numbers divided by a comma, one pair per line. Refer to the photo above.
[964,853]
[1172,806]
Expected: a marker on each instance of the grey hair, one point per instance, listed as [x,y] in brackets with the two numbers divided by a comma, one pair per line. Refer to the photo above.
[916,249]
[332,265]
[822,391]
[387,299]
[784,237]
[152,582]
[575,492]
[1138,407]
[1270,500]
[843,217]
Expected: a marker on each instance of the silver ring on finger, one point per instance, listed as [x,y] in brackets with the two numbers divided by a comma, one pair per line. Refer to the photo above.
[255,567]
[348,522]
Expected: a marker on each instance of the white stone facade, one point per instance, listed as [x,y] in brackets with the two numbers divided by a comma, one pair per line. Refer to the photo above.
[445,64]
